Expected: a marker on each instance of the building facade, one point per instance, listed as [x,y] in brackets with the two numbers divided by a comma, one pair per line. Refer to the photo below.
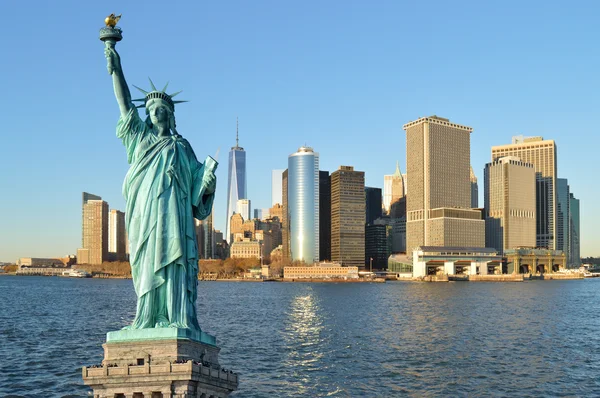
[303,205]
[394,191]
[236,180]
[348,216]
[321,271]
[474,190]
[285,223]
[243,207]
[373,204]
[439,204]
[262,214]
[436,260]
[94,240]
[324,216]
[377,247]
[205,236]
[276,212]
[563,227]
[276,188]
[574,251]
[542,155]
[245,248]
[117,240]
[509,191]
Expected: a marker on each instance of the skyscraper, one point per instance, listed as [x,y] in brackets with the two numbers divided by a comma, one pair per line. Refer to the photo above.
[205,236]
[575,260]
[542,155]
[303,205]
[348,216]
[285,219]
[509,191]
[116,235]
[243,207]
[262,214]
[377,245]
[324,216]
[276,189]
[373,204]
[474,190]
[393,190]
[563,230]
[439,204]
[94,239]
[236,179]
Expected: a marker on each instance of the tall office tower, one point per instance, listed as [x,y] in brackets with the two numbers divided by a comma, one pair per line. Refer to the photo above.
[276,189]
[474,190]
[348,216]
[574,251]
[262,214]
[398,203]
[206,242]
[405,180]
[393,190]
[563,228]
[303,205]
[200,238]
[509,192]
[94,240]
[377,247]
[373,204]
[117,240]
[285,219]
[439,205]
[542,155]
[324,216]
[236,180]
[243,207]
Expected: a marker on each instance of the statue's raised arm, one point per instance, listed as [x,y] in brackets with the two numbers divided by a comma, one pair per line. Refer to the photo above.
[120,85]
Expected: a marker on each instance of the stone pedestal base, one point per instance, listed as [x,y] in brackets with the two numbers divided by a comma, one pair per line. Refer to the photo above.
[153,363]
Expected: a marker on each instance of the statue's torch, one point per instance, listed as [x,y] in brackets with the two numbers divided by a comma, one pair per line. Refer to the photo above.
[111,33]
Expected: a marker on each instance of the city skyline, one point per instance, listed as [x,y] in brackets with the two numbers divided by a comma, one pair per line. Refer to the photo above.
[292,97]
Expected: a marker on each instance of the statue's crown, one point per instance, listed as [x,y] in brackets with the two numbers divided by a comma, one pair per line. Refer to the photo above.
[157,94]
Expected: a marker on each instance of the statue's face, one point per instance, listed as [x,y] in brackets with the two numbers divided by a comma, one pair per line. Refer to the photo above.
[159,113]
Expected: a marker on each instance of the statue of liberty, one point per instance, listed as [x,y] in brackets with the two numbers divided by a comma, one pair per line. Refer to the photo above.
[165,188]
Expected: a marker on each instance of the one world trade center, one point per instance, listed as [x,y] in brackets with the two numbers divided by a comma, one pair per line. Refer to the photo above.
[236,181]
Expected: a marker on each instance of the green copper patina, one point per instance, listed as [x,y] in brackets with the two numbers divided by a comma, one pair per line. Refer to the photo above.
[165,189]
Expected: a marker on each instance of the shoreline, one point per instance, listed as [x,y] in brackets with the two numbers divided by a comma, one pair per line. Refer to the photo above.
[505,278]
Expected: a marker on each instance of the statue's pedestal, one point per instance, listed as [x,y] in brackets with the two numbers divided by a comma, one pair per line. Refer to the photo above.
[166,363]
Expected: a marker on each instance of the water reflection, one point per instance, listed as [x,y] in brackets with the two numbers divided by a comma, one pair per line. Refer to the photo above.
[303,340]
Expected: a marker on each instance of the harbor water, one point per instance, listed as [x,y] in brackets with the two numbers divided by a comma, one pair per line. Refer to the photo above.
[536,338]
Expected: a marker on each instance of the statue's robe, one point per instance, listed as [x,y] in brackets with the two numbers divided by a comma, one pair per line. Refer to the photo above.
[164,192]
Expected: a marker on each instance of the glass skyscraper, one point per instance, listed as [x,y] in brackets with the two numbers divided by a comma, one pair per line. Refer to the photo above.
[236,182]
[276,189]
[563,227]
[303,205]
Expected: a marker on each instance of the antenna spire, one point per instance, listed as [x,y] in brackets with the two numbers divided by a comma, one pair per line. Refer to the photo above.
[237,128]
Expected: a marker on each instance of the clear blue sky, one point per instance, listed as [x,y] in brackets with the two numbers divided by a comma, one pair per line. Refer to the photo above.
[340,76]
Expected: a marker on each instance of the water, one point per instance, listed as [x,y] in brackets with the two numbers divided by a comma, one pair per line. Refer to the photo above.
[315,340]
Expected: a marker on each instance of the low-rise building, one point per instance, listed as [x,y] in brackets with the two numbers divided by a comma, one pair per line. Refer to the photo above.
[46,262]
[245,248]
[320,271]
[400,264]
[534,261]
[440,260]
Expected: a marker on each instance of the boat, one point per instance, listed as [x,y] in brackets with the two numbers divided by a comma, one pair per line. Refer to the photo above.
[76,273]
